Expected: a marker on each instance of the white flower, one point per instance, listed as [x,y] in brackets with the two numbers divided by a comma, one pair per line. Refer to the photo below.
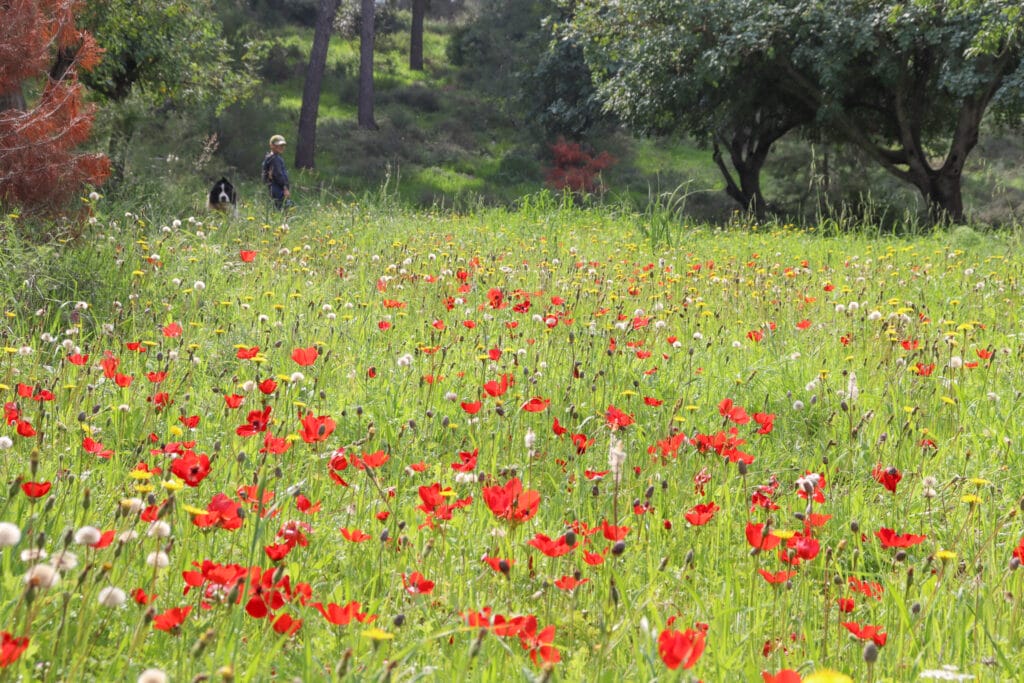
[6,443]
[159,529]
[42,576]
[158,559]
[530,439]
[112,596]
[199,285]
[956,362]
[88,535]
[64,560]
[948,672]
[405,360]
[153,676]
[10,534]
[616,457]
[297,377]
[852,392]
[798,405]
[33,554]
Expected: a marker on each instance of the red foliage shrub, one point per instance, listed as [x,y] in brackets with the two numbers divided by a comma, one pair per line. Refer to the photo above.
[575,168]
[39,169]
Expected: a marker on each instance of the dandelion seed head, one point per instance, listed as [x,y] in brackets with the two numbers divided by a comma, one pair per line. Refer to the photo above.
[88,535]
[42,576]
[10,534]
[158,559]
[111,596]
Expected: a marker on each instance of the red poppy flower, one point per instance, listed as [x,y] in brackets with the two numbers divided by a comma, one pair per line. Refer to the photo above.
[701,513]
[681,648]
[172,330]
[222,512]
[268,386]
[78,359]
[784,676]
[25,428]
[496,563]
[109,364]
[355,535]
[568,583]
[551,547]
[536,404]
[866,588]
[500,386]
[285,625]
[305,357]
[511,501]
[890,539]
[191,468]
[233,400]
[256,422]
[888,477]
[735,413]
[122,380]
[96,448]
[846,605]
[11,648]
[617,419]
[36,489]
[247,353]
[924,369]
[653,402]
[142,598]
[472,407]
[777,577]
[247,255]
[757,538]
[342,616]
[866,632]
[613,533]
[417,584]
[171,619]
[316,429]
[277,551]
[558,429]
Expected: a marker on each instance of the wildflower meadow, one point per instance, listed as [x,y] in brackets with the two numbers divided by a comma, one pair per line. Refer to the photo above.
[537,445]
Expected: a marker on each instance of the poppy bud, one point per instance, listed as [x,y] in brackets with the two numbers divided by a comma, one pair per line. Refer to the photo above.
[663,564]
[50,502]
[240,458]
[1014,563]
[398,620]
[384,535]
[614,591]
[870,653]
[16,485]
[500,411]
[68,535]
[649,493]
[595,491]
[901,555]
[216,446]
[86,499]
[619,548]
[82,416]
[910,577]
[915,609]
[688,560]
[474,650]
[278,574]
[742,467]
[854,526]
[570,537]
[33,463]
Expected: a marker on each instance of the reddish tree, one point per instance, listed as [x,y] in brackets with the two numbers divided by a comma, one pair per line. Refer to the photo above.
[575,168]
[40,47]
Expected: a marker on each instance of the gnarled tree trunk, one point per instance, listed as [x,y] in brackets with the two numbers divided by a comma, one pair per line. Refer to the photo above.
[366,39]
[305,146]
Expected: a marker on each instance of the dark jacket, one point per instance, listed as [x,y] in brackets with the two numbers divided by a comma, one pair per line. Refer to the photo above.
[275,175]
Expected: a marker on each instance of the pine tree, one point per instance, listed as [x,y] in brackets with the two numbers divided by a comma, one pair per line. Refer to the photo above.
[42,51]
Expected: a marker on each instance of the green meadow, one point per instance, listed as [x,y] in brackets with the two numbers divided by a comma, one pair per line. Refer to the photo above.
[362,442]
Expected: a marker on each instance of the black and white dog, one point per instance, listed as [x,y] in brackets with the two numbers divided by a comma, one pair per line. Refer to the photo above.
[223,197]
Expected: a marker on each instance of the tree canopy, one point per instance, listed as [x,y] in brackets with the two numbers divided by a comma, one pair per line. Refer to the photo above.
[908,83]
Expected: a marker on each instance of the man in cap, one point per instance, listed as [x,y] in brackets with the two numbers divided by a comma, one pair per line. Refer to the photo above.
[275,175]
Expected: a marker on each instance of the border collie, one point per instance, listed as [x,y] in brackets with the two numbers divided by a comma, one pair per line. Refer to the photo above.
[223,197]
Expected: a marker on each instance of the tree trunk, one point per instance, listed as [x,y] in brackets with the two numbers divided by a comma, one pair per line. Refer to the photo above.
[13,99]
[747,158]
[305,146]
[117,148]
[366,38]
[419,8]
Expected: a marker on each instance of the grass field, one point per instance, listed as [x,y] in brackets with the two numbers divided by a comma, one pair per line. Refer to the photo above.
[547,444]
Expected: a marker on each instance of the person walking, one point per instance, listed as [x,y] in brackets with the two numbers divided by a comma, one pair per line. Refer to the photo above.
[275,175]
